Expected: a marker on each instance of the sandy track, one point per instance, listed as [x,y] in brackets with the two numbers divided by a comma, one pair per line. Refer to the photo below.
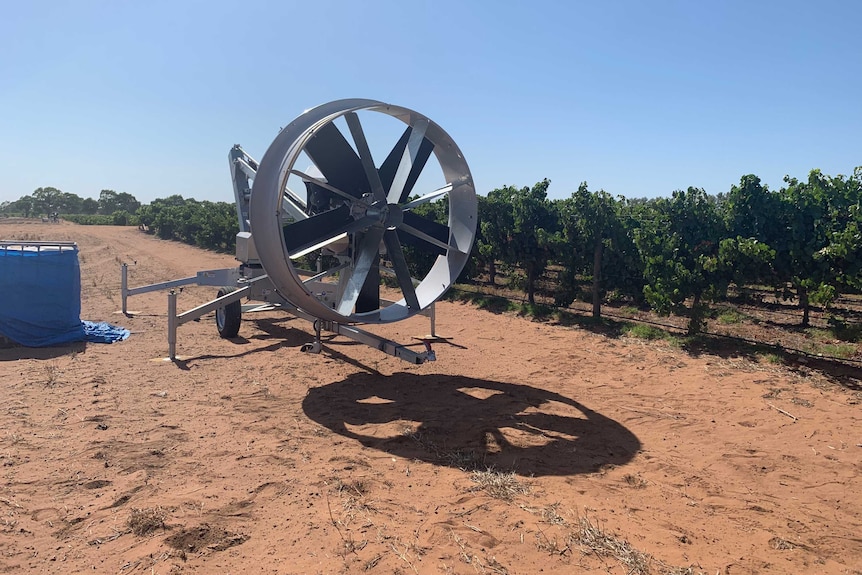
[258,458]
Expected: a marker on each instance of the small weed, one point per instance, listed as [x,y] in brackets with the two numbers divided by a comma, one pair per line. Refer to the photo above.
[629,310]
[849,332]
[730,316]
[499,485]
[635,481]
[459,459]
[538,311]
[549,546]
[357,487]
[802,402]
[372,563]
[839,350]
[145,521]
[52,375]
[780,544]
[552,516]
[592,539]
[642,331]
[483,301]
[772,358]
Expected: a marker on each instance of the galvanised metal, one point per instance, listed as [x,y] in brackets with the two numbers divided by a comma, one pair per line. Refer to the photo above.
[373,216]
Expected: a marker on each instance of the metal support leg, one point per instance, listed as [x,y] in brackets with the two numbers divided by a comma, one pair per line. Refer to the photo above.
[172,325]
[124,285]
[433,316]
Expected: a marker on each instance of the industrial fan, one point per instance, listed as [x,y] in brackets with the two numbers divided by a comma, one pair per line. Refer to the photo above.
[361,189]
[357,210]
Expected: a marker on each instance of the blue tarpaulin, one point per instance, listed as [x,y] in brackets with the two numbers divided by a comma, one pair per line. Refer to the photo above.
[40,296]
[101,332]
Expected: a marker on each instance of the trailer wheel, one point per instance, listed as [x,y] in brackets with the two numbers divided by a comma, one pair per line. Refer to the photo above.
[228,317]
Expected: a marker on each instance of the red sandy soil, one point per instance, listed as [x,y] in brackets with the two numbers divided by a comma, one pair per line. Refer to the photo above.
[251,457]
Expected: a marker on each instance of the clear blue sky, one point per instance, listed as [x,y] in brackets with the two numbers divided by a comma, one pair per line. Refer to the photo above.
[638,98]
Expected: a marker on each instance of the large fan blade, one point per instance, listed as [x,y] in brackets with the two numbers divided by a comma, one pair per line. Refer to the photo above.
[369,295]
[413,154]
[365,156]
[402,272]
[424,234]
[369,248]
[337,161]
[302,234]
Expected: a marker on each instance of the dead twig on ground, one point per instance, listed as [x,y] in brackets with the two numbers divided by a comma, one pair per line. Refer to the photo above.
[778,409]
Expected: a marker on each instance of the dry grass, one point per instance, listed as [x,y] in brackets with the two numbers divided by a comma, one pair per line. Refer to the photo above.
[635,481]
[489,565]
[592,539]
[551,515]
[145,521]
[52,374]
[459,459]
[499,485]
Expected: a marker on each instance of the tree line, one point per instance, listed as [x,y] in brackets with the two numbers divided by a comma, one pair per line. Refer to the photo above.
[47,201]
[209,225]
[675,254]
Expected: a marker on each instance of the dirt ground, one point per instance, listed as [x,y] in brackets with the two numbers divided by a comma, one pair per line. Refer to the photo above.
[525,448]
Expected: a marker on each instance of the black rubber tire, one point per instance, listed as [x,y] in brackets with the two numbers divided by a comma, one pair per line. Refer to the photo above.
[229,317]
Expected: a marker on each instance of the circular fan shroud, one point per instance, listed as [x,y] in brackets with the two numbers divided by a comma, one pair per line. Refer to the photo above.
[276,243]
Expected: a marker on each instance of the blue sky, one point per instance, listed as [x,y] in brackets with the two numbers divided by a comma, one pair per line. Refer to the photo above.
[637,98]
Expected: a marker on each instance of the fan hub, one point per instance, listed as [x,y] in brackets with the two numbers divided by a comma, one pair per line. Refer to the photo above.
[394,216]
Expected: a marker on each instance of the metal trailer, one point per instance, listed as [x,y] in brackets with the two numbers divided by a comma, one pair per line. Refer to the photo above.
[350,215]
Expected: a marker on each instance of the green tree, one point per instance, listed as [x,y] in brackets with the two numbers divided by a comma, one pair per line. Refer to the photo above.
[589,224]
[46,200]
[111,201]
[799,262]
[754,226]
[70,204]
[531,237]
[23,206]
[495,225]
[751,209]
[89,206]
[108,203]
[679,243]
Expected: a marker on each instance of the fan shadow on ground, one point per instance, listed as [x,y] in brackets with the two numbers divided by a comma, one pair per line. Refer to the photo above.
[471,423]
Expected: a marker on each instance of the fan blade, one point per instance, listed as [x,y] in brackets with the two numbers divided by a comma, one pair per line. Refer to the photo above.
[402,272]
[337,161]
[369,295]
[413,154]
[369,248]
[424,234]
[365,156]
[390,164]
[302,234]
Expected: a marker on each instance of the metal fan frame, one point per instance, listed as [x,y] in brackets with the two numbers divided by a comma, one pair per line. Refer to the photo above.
[268,211]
